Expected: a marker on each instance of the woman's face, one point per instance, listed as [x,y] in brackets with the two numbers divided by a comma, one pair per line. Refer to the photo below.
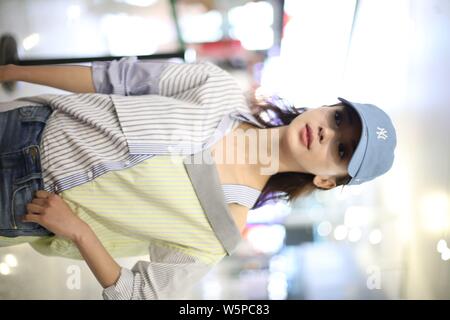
[321,141]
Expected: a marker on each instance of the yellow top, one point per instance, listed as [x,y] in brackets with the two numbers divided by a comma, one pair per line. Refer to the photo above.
[129,208]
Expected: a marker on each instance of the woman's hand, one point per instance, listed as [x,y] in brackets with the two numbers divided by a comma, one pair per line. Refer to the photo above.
[52,212]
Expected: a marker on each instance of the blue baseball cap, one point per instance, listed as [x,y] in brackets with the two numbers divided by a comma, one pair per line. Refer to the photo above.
[374,154]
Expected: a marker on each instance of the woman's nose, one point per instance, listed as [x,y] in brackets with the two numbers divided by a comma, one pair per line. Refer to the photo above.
[325,134]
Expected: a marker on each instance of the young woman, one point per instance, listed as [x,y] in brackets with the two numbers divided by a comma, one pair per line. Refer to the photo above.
[113,169]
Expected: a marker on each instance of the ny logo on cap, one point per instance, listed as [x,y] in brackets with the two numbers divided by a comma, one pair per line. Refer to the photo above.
[381,133]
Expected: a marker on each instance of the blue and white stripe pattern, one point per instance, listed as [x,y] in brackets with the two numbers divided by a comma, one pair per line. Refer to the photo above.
[170,274]
[168,108]
[242,194]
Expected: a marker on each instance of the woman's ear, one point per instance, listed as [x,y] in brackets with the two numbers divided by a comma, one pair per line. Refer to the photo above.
[324,182]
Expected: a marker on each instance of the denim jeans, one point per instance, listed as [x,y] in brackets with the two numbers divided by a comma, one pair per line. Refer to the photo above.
[20,168]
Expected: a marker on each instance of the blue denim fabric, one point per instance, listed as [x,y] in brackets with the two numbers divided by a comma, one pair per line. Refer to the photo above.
[20,168]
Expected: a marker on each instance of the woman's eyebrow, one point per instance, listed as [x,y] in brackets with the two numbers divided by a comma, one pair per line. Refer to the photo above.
[354,146]
[349,116]
[350,121]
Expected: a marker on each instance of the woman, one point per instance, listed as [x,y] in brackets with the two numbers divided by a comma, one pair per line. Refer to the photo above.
[142,158]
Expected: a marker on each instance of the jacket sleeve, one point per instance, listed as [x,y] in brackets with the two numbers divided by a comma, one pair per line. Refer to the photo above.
[169,274]
[130,76]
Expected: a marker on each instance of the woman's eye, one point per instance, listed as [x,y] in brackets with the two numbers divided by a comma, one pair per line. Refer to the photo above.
[341,150]
[338,118]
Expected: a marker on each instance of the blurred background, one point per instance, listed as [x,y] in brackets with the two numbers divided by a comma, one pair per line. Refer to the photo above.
[386,239]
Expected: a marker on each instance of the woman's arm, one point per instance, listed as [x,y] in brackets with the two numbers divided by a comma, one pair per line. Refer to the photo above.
[70,78]
[53,213]
[102,265]
[130,77]
[170,273]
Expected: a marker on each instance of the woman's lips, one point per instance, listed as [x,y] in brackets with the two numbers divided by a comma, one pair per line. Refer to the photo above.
[306,136]
[310,136]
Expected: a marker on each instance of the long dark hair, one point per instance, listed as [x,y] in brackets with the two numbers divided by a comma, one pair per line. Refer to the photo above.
[274,111]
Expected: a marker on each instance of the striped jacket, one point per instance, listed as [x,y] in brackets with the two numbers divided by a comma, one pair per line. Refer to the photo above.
[179,110]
